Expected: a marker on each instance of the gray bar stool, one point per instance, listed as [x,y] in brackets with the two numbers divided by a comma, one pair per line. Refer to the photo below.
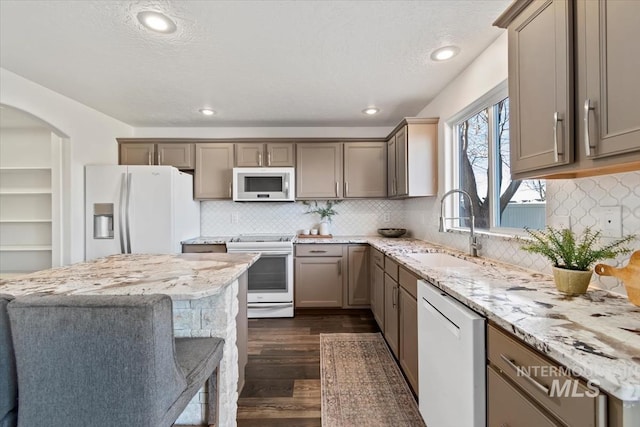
[8,380]
[107,361]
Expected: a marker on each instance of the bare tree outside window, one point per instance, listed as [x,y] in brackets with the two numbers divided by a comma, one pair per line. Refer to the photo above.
[483,146]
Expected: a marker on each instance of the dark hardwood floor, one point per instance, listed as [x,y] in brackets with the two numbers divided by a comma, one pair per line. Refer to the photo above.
[282,386]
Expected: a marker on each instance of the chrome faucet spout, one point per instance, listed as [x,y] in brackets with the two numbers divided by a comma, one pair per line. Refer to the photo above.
[473,241]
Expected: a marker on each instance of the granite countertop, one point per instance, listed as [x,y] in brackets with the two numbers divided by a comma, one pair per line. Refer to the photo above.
[596,335]
[182,276]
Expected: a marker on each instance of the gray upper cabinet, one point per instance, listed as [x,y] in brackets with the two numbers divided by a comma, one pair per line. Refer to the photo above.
[412,159]
[540,86]
[178,154]
[213,175]
[364,169]
[608,64]
[272,154]
[319,170]
[564,130]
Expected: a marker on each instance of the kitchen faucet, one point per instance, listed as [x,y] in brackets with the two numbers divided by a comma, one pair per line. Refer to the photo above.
[473,240]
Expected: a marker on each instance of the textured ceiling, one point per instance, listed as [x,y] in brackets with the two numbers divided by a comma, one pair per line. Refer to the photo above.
[257,63]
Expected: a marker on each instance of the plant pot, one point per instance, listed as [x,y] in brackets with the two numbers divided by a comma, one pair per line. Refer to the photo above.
[571,282]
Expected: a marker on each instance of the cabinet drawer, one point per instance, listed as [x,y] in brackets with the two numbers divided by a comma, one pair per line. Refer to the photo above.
[542,379]
[408,281]
[378,257]
[506,406]
[197,248]
[391,268]
[318,250]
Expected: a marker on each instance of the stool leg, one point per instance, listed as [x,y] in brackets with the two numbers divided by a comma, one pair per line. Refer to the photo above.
[213,385]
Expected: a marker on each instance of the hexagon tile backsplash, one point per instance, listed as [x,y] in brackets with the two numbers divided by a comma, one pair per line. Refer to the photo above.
[580,199]
[355,217]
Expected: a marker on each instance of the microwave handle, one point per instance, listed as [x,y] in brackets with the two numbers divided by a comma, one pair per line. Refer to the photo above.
[286,188]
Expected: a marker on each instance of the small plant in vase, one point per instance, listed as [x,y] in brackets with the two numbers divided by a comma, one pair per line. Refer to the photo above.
[572,256]
[326,212]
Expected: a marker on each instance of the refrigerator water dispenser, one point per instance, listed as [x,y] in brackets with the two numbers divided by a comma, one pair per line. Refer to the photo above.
[103,220]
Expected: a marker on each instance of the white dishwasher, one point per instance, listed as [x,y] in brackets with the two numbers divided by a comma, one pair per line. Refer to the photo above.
[452,363]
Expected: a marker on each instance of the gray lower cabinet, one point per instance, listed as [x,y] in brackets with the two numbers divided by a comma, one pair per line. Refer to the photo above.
[364,169]
[537,386]
[391,333]
[358,276]
[319,276]
[408,327]
[377,286]
[214,171]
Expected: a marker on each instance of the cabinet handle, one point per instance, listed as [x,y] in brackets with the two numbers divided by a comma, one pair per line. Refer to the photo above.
[160,157]
[394,296]
[230,189]
[315,251]
[523,373]
[346,188]
[337,188]
[259,159]
[587,140]
[556,152]
[149,158]
[339,267]
[268,158]
[393,187]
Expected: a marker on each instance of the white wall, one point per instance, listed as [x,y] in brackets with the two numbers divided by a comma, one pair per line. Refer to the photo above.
[90,138]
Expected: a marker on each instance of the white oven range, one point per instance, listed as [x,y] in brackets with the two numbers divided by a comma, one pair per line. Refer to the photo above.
[270,279]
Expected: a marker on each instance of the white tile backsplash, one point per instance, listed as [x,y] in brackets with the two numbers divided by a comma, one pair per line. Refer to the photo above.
[355,217]
[580,199]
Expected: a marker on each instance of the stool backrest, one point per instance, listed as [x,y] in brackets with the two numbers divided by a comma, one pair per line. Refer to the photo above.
[82,359]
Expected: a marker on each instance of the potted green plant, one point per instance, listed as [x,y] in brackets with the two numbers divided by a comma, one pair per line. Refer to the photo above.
[326,213]
[572,256]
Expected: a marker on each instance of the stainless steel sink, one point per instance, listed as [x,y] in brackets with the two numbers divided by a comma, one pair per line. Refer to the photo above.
[440,260]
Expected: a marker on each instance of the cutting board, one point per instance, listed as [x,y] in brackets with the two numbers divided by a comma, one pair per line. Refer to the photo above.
[630,276]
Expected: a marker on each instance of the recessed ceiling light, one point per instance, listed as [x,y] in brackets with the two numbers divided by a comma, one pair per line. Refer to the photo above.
[371,111]
[207,111]
[156,21]
[445,53]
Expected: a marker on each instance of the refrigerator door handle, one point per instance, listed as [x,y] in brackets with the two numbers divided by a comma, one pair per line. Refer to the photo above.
[127,210]
[123,189]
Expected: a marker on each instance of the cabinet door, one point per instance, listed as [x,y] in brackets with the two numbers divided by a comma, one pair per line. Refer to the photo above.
[391,313]
[540,86]
[408,339]
[358,281]
[213,175]
[391,167]
[197,248]
[137,154]
[402,184]
[319,171]
[249,155]
[318,282]
[377,292]
[280,154]
[506,406]
[179,155]
[365,169]
[608,64]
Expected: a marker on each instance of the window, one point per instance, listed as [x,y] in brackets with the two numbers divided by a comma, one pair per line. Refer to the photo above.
[481,136]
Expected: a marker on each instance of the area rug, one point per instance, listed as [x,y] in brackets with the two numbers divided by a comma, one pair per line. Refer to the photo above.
[361,384]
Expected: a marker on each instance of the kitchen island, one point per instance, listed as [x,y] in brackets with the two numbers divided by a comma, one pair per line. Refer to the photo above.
[203,288]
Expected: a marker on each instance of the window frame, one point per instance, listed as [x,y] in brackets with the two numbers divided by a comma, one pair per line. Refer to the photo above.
[451,204]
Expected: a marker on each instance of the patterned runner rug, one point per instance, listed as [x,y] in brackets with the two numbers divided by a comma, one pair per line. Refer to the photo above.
[362,385]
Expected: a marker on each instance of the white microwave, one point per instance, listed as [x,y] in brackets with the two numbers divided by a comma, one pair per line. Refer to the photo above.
[264,185]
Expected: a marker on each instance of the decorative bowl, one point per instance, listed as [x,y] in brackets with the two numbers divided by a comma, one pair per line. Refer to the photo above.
[392,232]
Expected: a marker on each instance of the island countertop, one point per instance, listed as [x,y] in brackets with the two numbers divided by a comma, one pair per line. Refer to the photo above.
[180,276]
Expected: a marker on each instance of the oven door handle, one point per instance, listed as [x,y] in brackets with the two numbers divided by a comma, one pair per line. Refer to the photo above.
[257,251]
[270,305]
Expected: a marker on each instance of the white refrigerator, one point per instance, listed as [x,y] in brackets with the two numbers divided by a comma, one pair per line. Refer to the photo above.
[138,209]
